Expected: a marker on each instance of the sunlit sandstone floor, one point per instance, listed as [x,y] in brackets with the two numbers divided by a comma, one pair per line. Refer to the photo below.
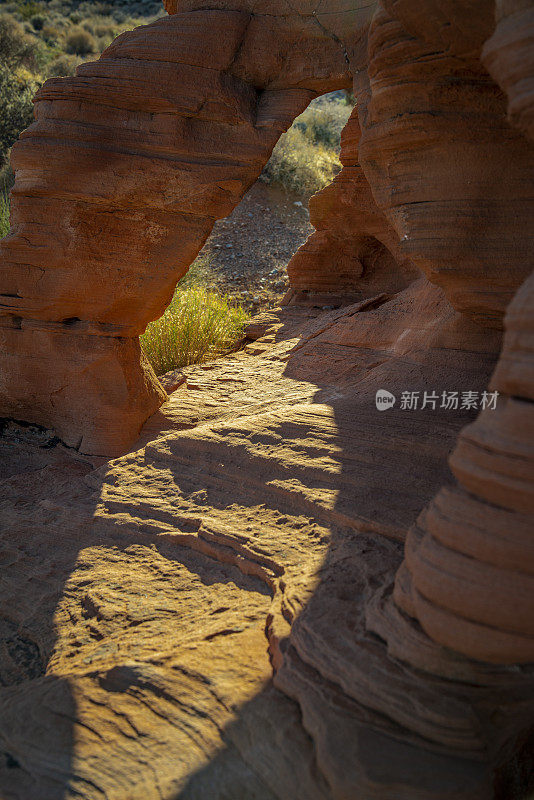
[202,617]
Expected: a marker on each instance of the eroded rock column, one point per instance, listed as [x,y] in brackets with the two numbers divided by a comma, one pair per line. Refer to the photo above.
[469,571]
[354,251]
[468,576]
[452,176]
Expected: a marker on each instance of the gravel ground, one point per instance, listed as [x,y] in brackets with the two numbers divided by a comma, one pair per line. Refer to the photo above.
[248,252]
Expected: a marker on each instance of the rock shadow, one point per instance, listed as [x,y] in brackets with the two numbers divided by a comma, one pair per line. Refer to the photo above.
[344,476]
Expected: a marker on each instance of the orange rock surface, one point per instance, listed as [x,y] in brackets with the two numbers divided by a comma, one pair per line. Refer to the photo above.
[355,252]
[118,184]
[469,572]
[277,591]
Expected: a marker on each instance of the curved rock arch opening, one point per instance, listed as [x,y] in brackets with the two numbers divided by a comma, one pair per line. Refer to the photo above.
[354,251]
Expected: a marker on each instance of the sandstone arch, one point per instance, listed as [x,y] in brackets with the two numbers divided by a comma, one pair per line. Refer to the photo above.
[118,183]
[129,164]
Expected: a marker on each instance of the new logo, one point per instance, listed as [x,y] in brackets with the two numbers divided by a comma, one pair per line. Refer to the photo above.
[384,400]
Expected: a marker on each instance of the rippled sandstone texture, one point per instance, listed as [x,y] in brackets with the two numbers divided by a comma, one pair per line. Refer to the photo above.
[229,603]
[195,619]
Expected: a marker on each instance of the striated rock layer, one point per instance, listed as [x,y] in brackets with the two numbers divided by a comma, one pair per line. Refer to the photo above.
[354,252]
[118,183]
[453,177]
[248,533]
[227,605]
[469,571]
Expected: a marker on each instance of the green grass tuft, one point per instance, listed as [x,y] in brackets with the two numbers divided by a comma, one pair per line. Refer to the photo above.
[198,325]
[4,212]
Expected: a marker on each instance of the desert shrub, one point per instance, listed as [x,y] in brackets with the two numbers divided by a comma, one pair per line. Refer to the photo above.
[88,25]
[306,157]
[16,107]
[4,212]
[62,66]
[80,42]
[18,55]
[301,166]
[198,325]
[16,47]
[95,9]
[323,121]
[50,34]
[106,30]
[29,8]
[37,21]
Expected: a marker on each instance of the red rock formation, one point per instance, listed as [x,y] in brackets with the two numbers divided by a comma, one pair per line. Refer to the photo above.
[354,251]
[470,558]
[118,183]
[469,572]
[452,176]
[166,131]
[284,500]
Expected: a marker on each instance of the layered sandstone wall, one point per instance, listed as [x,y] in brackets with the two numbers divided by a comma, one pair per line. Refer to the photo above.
[454,179]
[354,252]
[469,570]
[118,183]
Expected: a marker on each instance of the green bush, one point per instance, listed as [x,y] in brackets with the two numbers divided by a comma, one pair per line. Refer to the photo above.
[197,326]
[29,8]
[323,122]
[306,157]
[62,66]
[19,55]
[105,30]
[4,212]
[80,42]
[17,49]
[301,166]
[16,107]
[50,34]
